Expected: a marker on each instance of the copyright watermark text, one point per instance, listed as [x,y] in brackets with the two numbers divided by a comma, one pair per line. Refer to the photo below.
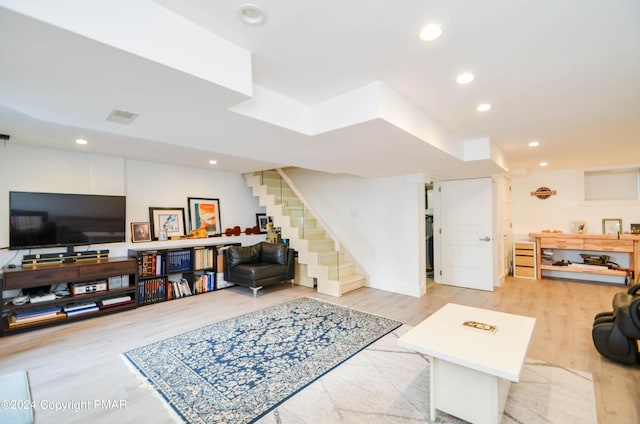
[64,406]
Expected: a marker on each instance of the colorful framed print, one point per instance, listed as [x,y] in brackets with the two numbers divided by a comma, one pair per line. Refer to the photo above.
[205,213]
[169,221]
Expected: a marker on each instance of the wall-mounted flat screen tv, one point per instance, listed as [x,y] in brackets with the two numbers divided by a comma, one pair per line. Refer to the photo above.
[38,220]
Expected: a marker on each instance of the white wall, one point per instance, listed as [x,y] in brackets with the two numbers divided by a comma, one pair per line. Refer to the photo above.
[145,184]
[531,214]
[380,221]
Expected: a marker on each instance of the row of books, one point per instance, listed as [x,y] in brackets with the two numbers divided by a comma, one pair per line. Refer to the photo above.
[150,264]
[49,313]
[203,258]
[178,289]
[204,283]
[152,291]
[178,260]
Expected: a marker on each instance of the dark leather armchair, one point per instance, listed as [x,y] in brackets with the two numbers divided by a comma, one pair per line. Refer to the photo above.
[616,333]
[259,265]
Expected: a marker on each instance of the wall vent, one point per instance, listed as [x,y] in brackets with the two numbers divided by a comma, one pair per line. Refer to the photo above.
[121,117]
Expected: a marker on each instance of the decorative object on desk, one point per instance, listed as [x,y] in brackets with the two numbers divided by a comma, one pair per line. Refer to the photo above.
[162,235]
[578,227]
[140,231]
[205,213]
[262,220]
[544,193]
[480,326]
[239,383]
[170,220]
[635,229]
[611,226]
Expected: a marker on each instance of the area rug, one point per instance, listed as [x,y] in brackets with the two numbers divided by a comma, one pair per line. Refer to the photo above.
[237,370]
[388,384]
[16,406]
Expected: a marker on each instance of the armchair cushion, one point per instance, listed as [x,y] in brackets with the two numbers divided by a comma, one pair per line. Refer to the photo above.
[239,255]
[273,253]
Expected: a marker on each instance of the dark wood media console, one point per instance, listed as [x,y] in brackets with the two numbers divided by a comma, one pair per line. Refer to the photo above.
[93,273]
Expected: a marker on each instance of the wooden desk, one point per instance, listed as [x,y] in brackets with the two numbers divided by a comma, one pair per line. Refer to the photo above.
[627,243]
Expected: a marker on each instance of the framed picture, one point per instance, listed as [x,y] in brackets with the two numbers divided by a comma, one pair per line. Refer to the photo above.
[167,220]
[204,213]
[262,220]
[611,226]
[578,227]
[140,231]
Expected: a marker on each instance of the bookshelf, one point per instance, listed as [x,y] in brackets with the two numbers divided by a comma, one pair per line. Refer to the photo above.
[176,272]
[85,289]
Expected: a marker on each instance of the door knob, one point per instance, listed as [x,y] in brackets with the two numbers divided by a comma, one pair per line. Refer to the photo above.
[485,239]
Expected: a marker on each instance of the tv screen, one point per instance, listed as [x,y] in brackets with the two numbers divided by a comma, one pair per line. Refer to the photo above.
[39,220]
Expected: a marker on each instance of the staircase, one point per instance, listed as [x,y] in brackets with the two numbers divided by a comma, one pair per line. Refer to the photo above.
[333,269]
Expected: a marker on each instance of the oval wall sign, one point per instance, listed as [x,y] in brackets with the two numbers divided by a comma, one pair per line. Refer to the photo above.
[543,193]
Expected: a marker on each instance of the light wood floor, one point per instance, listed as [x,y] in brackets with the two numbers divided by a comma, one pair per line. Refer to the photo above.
[73,365]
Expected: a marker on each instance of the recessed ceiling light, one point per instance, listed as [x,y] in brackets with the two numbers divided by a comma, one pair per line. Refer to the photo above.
[543,164]
[252,14]
[430,32]
[465,78]
[534,143]
[81,141]
[483,107]
[213,162]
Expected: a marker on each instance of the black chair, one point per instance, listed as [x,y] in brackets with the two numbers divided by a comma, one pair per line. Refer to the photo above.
[615,334]
[259,265]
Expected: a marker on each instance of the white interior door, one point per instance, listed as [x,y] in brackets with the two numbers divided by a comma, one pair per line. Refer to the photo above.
[466,223]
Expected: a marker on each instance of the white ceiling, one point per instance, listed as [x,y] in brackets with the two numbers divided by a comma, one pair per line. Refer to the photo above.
[336,86]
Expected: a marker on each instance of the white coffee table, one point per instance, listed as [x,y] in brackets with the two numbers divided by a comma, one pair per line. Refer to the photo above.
[471,370]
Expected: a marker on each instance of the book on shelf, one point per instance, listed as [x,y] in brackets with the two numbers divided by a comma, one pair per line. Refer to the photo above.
[75,306]
[184,285]
[12,321]
[82,311]
[116,301]
[39,311]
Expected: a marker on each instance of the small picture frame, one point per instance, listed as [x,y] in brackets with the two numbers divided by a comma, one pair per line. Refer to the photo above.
[635,229]
[205,213]
[578,227]
[167,220]
[612,226]
[262,220]
[140,232]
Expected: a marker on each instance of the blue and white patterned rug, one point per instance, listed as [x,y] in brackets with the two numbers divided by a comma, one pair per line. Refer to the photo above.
[237,370]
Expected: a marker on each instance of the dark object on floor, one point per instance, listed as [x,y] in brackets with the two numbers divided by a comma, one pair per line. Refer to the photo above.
[616,333]
[259,265]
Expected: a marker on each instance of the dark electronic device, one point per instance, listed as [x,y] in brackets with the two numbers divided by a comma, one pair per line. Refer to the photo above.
[39,220]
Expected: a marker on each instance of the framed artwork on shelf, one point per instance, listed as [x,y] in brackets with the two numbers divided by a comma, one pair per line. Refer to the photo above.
[140,231]
[611,226]
[578,227]
[262,220]
[166,222]
[205,213]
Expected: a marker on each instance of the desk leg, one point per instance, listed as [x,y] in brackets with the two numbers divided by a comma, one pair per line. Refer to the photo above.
[433,372]
[467,394]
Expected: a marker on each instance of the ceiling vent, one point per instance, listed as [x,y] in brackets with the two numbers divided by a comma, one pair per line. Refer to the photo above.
[121,117]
